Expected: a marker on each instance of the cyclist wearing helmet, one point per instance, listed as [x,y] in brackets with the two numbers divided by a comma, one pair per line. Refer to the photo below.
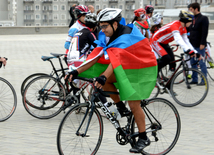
[140,21]
[157,19]
[82,41]
[149,12]
[175,30]
[129,55]
[80,11]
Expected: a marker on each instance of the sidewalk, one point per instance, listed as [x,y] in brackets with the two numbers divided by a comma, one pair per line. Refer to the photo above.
[23,134]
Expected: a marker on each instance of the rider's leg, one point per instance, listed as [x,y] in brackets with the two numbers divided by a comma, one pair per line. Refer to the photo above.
[109,86]
[139,117]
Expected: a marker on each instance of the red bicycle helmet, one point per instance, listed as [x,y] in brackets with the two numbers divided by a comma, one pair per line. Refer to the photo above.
[140,12]
[80,10]
[149,8]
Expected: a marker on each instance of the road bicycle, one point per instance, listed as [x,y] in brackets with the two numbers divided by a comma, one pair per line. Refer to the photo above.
[58,73]
[82,133]
[45,95]
[207,58]
[179,87]
[8,99]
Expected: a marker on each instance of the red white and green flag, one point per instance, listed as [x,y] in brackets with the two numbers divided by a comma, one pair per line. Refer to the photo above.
[134,64]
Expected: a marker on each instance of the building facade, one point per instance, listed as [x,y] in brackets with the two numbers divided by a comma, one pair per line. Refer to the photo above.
[56,12]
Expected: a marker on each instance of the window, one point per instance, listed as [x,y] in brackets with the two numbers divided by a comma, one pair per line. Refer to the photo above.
[121,7]
[27,7]
[45,7]
[97,7]
[63,17]
[55,17]
[104,6]
[112,6]
[55,7]
[27,16]
[37,17]
[63,7]
[55,0]
[63,24]
[27,24]
[38,24]
[55,24]
[37,7]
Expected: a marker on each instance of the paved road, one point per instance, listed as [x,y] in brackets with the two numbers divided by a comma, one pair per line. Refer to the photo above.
[24,135]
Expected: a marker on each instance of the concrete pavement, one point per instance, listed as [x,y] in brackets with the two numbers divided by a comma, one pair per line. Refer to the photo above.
[23,134]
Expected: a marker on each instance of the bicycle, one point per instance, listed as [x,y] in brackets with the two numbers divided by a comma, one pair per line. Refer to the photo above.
[81,133]
[184,93]
[56,73]
[44,96]
[8,99]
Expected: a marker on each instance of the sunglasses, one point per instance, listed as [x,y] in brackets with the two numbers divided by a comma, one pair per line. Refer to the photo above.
[104,26]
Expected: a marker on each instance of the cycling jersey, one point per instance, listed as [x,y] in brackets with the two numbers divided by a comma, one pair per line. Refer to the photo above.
[142,26]
[77,26]
[168,33]
[80,46]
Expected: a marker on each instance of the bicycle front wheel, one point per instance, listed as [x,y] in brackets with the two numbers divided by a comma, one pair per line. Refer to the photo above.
[186,94]
[43,97]
[8,100]
[163,126]
[70,137]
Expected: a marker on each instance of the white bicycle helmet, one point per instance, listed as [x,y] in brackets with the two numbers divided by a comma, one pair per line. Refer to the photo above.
[91,20]
[156,18]
[109,14]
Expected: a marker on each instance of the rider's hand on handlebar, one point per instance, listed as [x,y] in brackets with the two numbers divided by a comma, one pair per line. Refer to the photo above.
[71,74]
[100,81]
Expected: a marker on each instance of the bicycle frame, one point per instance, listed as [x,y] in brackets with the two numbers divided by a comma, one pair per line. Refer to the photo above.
[112,119]
[183,64]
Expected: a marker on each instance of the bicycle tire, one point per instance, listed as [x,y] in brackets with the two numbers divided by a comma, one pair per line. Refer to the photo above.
[8,100]
[29,78]
[188,96]
[167,136]
[44,103]
[71,142]
[210,70]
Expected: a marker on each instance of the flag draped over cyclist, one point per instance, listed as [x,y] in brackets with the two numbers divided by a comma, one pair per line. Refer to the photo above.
[134,64]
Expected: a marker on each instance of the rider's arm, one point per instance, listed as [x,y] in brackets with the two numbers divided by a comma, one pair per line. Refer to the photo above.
[186,40]
[180,41]
[71,33]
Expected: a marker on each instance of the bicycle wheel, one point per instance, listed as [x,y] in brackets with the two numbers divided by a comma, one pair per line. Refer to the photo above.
[210,69]
[29,78]
[163,126]
[8,100]
[70,136]
[188,95]
[43,97]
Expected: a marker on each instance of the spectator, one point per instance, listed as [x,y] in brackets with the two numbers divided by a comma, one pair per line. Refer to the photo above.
[91,8]
[3,60]
[149,12]
[198,38]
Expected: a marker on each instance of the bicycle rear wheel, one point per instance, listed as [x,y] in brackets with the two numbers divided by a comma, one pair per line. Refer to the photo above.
[28,79]
[73,142]
[43,97]
[8,100]
[188,95]
[163,126]
[210,69]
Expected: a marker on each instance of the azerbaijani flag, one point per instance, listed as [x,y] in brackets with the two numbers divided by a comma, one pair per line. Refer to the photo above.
[134,64]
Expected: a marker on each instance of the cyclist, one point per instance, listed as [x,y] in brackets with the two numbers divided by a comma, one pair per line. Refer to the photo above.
[3,61]
[80,11]
[175,30]
[82,41]
[157,19]
[149,12]
[124,47]
[140,21]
